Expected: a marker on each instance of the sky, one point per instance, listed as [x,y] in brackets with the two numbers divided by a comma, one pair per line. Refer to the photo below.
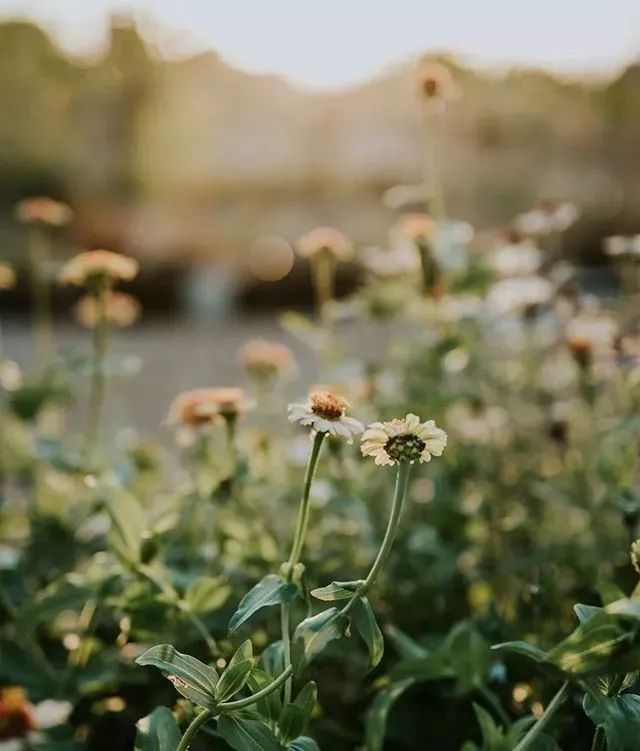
[336,43]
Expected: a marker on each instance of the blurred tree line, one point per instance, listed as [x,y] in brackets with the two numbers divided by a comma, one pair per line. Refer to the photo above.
[192,157]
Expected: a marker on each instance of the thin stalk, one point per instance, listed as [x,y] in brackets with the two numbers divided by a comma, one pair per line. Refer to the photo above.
[542,723]
[435,201]
[296,551]
[193,728]
[230,706]
[40,291]
[599,739]
[402,480]
[98,380]
[493,701]
[323,270]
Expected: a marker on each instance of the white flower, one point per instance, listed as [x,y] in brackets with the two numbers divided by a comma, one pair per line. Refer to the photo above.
[548,217]
[50,713]
[326,413]
[399,261]
[405,439]
[517,294]
[516,259]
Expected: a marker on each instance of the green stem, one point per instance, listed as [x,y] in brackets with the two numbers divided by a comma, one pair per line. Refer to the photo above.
[40,291]
[435,201]
[542,723]
[322,269]
[402,480]
[296,551]
[98,381]
[230,706]
[598,739]
[191,731]
[493,701]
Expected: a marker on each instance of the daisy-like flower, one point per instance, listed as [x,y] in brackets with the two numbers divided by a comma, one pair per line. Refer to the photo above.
[325,240]
[208,405]
[517,258]
[548,217]
[264,359]
[405,439]
[120,310]
[622,245]
[419,228]
[388,264]
[325,412]
[43,210]
[7,276]
[98,264]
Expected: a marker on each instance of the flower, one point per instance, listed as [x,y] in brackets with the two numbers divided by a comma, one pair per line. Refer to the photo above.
[405,439]
[547,217]
[208,405]
[386,264]
[419,228]
[98,264]
[43,210]
[264,359]
[7,276]
[325,240]
[17,715]
[516,259]
[435,83]
[518,294]
[120,310]
[591,333]
[622,245]
[325,412]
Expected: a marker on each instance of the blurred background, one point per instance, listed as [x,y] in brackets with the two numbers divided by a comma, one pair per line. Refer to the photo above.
[203,140]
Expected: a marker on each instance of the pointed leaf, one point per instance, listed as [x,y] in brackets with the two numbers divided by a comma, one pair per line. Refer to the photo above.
[192,678]
[270,707]
[246,731]
[337,591]
[303,744]
[158,731]
[523,648]
[368,628]
[272,590]
[207,594]
[584,612]
[376,727]
[314,633]
[233,679]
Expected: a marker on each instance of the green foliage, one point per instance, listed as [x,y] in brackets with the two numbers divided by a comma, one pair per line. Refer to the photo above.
[157,731]
[272,590]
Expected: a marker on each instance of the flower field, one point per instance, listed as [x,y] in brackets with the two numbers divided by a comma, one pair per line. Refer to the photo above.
[430,544]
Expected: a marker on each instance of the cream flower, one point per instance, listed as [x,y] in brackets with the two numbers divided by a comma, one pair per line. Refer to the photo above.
[325,240]
[208,405]
[120,310]
[419,228]
[7,276]
[435,82]
[43,210]
[265,359]
[94,264]
[325,412]
[516,259]
[388,264]
[548,217]
[405,439]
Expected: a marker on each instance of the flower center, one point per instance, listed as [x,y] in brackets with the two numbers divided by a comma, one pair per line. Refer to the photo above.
[327,405]
[407,447]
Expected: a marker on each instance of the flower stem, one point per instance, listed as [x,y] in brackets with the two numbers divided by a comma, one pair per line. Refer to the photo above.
[435,202]
[402,480]
[294,556]
[38,260]
[191,731]
[98,381]
[598,739]
[322,270]
[542,723]
[230,706]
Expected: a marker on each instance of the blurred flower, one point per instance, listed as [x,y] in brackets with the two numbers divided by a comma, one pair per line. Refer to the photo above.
[475,423]
[264,359]
[547,217]
[627,347]
[518,294]
[51,713]
[98,264]
[386,264]
[10,375]
[43,210]
[418,228]
[17,715]
[591,334]
[435,83]
[120,310]
[622,245]
[7,276]
[208,405]
[270,258]
[404,439]
[325,240]
[635,555]
[325,412]
[516,259]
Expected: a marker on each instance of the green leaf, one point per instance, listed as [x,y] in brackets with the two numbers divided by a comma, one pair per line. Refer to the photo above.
[337,591]
[157,731]
[295,715]
[314,633]
[303,744]
[192,678]
[406,647]
[376,726]
[365,620]
[584,612]
[626,606]
[128,526]
[522,648]
[272,659]
[245,731]
[206,594]
[493,738]
[236,673]
[619,716]
[70,592]
[271,706]
[272,590]
[469,655]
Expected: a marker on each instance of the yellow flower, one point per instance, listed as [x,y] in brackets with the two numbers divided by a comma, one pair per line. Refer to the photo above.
[265,359]
[98,264]
[120,310]
[208,405]
[325,240]
[325,412]
[43,210]
[405,439]
[7,276]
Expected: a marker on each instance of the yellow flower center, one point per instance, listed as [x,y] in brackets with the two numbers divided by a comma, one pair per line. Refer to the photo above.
[327,405]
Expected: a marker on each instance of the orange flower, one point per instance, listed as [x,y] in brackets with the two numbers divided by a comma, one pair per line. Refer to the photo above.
[43,210]
[17,716]
[208,405]
[98,264]
[120,310]
[327,240]
[266,359]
